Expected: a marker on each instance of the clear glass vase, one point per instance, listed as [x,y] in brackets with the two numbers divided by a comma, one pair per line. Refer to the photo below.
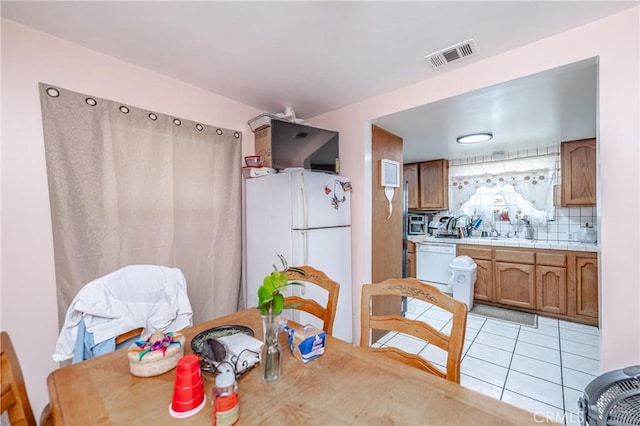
[271,353]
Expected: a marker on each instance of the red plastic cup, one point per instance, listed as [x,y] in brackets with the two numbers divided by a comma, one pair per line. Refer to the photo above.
[188,363]
[188,378]
[188,370]
[186,394]
[188,391]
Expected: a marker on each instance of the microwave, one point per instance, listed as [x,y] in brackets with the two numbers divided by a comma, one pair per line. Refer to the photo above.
[417,224]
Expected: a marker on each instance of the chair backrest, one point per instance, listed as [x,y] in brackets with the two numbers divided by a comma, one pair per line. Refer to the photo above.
[15,400]
[311,275]
[129,335]
[411,287]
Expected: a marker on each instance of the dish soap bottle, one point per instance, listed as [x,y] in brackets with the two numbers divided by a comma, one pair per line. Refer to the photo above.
[225,399]
[587,234]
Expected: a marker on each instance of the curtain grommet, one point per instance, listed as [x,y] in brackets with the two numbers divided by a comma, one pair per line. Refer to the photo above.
[53,92]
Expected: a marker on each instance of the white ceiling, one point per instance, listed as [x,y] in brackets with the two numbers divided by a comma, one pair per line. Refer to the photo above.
[536,111]
[319,56]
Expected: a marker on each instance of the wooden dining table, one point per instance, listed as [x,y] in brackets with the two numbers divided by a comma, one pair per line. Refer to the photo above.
[346,385]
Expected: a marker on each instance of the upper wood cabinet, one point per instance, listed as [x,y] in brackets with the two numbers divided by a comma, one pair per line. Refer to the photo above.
[428,185]
[434,185]
[413,190]
[578,173]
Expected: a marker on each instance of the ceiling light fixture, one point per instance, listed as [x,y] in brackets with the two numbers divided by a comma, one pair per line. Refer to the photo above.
[475,137]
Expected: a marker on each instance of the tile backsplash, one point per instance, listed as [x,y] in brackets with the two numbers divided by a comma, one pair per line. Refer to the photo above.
[567,221]
[564,227]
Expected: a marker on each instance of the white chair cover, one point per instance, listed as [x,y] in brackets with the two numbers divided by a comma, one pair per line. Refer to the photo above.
[149,296]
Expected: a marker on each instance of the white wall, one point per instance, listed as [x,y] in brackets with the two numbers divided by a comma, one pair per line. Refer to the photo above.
[616,41]
[27,277]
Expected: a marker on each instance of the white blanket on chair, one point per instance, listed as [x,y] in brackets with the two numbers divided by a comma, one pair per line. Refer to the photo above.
[148,296]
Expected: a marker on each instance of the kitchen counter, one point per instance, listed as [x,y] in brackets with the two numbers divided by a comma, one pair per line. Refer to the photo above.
[510,242]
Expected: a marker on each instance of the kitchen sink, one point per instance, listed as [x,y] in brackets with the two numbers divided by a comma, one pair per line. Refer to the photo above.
[505,239]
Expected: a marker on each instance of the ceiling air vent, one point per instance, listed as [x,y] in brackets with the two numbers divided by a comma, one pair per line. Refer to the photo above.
[452,54]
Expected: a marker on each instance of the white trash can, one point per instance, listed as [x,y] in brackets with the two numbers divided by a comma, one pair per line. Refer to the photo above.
[463,278]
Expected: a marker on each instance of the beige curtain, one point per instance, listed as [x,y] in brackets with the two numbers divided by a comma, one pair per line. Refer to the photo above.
[130,186]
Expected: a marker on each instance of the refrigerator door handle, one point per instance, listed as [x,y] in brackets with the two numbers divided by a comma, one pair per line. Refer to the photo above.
[303,193]
[305,248]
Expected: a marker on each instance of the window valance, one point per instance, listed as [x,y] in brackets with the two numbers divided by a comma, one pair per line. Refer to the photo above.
[530,177]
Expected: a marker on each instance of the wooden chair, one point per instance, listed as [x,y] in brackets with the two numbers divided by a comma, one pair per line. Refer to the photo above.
[411,287]
[128,335]
[311,275]
[15,400]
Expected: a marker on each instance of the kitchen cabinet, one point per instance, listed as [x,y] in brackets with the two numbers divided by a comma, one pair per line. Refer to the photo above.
[557,283]
[551,283]
[515,278]
[411,260]
[434,185]
[413,190]
[584,288]
[483,288]
[551,289]
[578,173]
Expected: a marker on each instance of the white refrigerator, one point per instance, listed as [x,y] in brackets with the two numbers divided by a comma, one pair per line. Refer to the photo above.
[305,216]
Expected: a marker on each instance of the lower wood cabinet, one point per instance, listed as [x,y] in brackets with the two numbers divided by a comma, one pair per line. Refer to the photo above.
[515,279]
[483,288]
[551,289]
[411,260]
[561,284]
[586,286]
[515,285]
[551,282]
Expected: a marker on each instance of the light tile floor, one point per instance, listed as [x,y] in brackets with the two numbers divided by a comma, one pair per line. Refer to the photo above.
[543,369]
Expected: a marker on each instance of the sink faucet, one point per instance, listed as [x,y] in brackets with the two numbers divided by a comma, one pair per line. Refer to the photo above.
[494,233]
[528,229]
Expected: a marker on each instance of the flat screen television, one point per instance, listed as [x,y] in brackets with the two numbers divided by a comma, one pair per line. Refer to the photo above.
[297,145]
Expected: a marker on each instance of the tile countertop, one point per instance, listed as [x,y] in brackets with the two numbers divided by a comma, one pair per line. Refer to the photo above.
[510,242]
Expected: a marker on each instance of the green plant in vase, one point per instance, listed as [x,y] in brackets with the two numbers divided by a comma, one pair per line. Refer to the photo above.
[270,300]
[271,304]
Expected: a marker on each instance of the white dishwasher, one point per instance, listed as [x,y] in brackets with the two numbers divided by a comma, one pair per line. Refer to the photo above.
[432,264]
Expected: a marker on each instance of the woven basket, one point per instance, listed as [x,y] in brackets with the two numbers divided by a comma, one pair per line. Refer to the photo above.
[155,363]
